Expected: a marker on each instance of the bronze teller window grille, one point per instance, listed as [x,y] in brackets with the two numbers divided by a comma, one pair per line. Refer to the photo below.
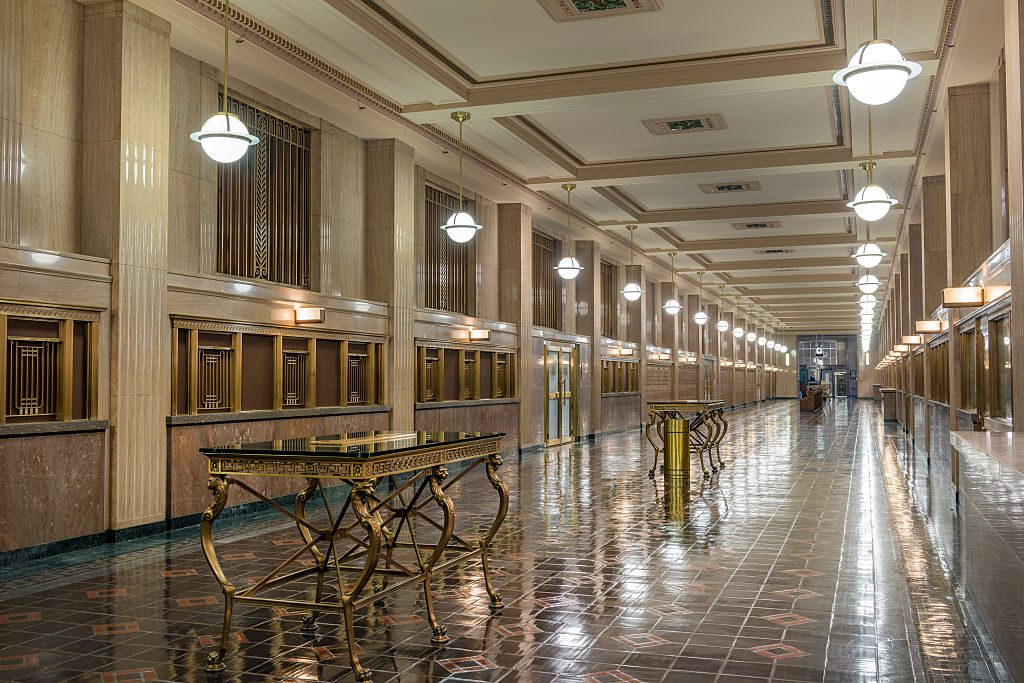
[452,374]
[263,202]
[450,273]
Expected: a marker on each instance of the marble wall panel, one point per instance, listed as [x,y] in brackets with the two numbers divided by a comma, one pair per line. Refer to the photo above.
[621,412]
[502,417]
[187,490]
[52,487]
[50,192]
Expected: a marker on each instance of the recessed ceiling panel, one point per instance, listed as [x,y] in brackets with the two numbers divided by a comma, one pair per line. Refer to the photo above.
[688,192]
[765,120]
[500,39]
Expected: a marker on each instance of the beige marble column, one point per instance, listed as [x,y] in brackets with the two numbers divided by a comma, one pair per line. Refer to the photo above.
[588,323]
[487,250]
[125,216]
[670,332]
[391,264]
[968,181]
[692,328]
[636,314]
[1013,47]
[714,347]
[515,286]
[906,324]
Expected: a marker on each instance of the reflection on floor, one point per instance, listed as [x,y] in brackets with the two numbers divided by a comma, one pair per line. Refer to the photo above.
[813,557]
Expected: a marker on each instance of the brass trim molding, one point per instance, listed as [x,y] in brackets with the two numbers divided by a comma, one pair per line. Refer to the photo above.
[271,330]
[49,311]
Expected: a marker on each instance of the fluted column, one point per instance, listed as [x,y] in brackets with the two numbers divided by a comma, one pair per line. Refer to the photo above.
[391,264]
[1013,27]
[670,332]
[126,118]
[588,323]
[515,287]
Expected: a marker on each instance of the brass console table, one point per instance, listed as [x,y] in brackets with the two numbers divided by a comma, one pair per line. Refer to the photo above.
[707,424]
[378,537]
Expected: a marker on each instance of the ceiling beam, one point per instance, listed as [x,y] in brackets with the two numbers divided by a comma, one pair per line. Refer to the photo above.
[673,79]
[767,162]
[772,264]
[823,207]
[795,278]
[699,246]
[799,293]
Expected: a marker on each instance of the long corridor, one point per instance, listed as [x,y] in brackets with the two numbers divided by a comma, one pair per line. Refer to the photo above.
[814,556]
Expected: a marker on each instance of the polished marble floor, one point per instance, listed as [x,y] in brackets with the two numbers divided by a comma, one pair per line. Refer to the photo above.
[814,556]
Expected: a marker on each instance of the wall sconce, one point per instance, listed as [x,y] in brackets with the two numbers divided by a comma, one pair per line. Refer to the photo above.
[901,348]
[625,352]
[963,297]
[929,326]
[664,355]
[995,291]
[305,315]
[913,339]
[479,335]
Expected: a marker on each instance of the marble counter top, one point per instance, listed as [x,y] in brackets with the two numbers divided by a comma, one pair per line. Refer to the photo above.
[999,446]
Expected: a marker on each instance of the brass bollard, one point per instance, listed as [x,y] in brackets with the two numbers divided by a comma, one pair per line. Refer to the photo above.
[677,449]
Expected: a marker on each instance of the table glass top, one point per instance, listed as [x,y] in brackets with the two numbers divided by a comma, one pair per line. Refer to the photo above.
[351,444]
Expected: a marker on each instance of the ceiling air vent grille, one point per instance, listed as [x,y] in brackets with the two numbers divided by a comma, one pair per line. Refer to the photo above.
[774,251]
[686,124]
[717,188]
[785,270]
[761,225]
[572,10]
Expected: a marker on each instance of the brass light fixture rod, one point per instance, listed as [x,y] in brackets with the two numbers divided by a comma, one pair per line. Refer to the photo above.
[568,187]
[227,15]
[632,229]
[460,117]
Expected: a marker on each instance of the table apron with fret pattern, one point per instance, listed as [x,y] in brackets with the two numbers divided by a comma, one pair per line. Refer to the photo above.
[376,545]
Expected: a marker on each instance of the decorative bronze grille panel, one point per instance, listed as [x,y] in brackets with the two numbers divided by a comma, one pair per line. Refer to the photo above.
[547,288]
[214,379]
[608,302]
[448,265]
[263,202]
[33,368]
[356,379]
[469,379]
[501,375]
[293,379]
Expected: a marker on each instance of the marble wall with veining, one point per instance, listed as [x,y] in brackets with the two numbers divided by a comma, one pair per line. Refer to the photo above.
[52,487]
[500,416]
[622,411]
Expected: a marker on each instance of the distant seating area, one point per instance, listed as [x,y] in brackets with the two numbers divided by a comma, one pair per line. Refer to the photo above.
[813,399]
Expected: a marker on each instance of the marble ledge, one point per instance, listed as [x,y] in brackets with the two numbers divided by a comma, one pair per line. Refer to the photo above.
[437,405]
[612,394]
[263,415]
[47,428]
[998,446]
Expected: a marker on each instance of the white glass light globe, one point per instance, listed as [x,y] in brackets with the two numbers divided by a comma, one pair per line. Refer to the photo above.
[631,292]
[737,332]
[868,284]
[872,203]
[867,306]
[867,317]
[867,298]
[700,317]
[723,326]
[877,73]
[770,344]
[461,227]
[868,255]
[568,268]
[751,336]
[224,138]
[761,341]
[672,307]
[783,349]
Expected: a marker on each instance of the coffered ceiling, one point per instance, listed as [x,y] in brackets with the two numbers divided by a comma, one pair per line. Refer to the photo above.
[714,126]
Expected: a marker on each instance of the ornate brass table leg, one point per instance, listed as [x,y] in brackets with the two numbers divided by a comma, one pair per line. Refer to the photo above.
[651,423]
[493,463]
[362,494]
[309,621]
[436,479]
[218,485]
[725,428]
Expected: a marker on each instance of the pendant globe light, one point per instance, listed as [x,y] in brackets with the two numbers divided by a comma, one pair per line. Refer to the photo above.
[672,306]
[723,324]
[632,290]
[224,138]
[700,317]
[868,284]
[869,254]
[568,267]
[461,227]
[737,331]
[878,72]
[872,203]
